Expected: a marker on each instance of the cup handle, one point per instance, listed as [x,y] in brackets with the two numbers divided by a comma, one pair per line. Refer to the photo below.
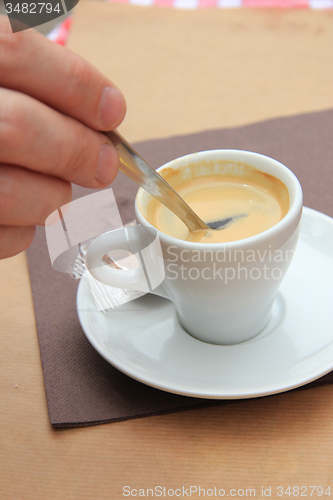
[139,245]
[130,279]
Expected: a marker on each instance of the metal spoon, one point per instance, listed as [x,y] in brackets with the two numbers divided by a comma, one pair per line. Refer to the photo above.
[135,167]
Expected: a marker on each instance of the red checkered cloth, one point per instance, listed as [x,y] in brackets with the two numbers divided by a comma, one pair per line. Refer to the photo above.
[60,33]
[203,4]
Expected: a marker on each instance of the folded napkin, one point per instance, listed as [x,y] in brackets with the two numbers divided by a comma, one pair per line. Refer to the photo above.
[81,387]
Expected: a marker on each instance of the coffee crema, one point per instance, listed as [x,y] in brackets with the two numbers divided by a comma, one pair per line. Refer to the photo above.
[255,200]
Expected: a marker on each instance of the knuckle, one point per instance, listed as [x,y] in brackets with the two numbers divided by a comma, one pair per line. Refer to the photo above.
[57,166]
[8,197]
[30,235]
[77,81]
[11,116]
[63,197]
[81,158]
[80,153]
[14,240]
[27,237]
[10,46]
[41,210]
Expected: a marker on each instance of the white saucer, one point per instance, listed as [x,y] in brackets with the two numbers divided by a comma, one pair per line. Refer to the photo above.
[144,340]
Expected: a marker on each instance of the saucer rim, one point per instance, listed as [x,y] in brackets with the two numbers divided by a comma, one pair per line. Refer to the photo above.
[206,393]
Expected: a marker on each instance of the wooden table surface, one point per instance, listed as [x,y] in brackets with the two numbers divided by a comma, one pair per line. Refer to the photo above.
[182,72]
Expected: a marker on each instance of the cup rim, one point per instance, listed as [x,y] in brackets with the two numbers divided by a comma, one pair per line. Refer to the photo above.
[231,154]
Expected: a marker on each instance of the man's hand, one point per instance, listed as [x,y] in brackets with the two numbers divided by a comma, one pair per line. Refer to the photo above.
[52,105]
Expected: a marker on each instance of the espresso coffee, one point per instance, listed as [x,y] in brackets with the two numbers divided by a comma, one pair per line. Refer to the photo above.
[255,201]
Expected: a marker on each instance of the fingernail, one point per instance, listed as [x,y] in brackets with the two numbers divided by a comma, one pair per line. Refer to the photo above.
[112,106]
[105,170]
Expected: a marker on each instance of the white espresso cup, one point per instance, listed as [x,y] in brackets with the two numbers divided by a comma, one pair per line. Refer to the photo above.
[223,292]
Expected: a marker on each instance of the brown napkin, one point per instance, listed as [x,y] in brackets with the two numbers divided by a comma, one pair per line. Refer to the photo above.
[81,387]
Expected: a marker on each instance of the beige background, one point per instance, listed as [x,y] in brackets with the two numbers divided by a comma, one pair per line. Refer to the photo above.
[187,71]
[234,67]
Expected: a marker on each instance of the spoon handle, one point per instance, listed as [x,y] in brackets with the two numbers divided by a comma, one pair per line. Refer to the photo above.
[135,167]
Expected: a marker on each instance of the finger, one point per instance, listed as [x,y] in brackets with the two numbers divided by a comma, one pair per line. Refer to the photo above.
[28,198]
[36,137]
[14,240]
[58,77]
